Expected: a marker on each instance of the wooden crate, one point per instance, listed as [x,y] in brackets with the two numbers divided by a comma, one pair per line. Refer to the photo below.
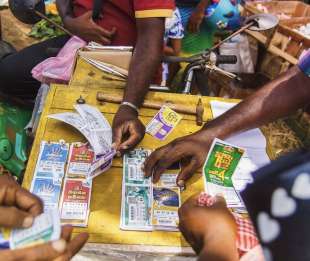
[291,9]
[288,26]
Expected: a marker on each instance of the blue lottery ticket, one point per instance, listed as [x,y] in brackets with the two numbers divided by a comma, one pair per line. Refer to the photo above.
[52,160]
[47,191]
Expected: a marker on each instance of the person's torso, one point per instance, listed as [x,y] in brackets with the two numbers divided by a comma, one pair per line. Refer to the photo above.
[116,13]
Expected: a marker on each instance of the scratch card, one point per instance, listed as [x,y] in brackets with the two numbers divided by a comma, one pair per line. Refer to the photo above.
[163,123]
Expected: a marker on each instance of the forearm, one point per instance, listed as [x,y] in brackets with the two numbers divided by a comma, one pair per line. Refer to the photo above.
[277,99]
[222,247]
[146,59]
[64,8]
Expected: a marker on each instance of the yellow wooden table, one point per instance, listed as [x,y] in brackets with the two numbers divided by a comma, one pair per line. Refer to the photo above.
[103,225]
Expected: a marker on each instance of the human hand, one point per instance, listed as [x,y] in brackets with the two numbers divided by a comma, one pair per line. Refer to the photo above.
[60,250]
[190,150]
[210,227]
[128,130]
[195,21]
[84,27]
[18,206]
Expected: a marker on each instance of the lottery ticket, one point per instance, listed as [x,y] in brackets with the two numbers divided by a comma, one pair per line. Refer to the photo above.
[166,202]
[102,160]
[45,228]
[92,124]
[52,160]
[49,173]
[74,120]
[136,210]
[132,167]
[47,191]
[80,160]
[163,123]
[75,202]
[220,165]
[101,131]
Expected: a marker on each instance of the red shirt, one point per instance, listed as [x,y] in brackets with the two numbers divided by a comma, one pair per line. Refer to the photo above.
[122,14]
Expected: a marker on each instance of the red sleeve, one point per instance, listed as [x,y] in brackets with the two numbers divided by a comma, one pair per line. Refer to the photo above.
[154,8]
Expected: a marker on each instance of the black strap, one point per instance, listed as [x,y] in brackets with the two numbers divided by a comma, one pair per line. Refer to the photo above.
[97,7]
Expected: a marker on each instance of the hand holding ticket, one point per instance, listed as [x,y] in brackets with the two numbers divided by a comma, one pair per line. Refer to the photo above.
[96,129]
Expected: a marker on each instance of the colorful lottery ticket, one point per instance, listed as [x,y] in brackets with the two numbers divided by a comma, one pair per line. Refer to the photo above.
[163,123]
[52,160]
[166,202]
[136,210]
[80,160]
[47,191]
[75,202]
[220,165]
[49,173]
[45,228]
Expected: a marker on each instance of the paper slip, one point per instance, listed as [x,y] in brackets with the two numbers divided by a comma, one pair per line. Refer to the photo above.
[136,209]
[166,202]
[163,123]
[75,202]
[87,122]
[97,124]
[80,160]
[49,173]
[219,168]
[46,228]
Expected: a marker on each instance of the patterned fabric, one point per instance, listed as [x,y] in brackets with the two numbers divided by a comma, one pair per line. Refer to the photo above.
[247,238]
[246,235]
[174,27]
[278,202]
[304,63]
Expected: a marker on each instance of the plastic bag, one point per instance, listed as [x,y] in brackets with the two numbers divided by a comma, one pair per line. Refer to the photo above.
[59,69]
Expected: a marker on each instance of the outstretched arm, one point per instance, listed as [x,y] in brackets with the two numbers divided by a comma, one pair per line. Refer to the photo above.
[127,128]
[277,99]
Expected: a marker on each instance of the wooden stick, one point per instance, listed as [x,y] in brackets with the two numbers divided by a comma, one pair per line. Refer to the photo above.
[103,97]
[52,22]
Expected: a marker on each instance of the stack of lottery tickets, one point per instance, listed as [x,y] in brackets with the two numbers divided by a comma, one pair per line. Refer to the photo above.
[96,129]
[74,185]
[146,206]
[76,193]
[49,173]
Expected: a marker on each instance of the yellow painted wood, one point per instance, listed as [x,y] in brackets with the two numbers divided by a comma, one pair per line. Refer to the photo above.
[104,218]
[89,76]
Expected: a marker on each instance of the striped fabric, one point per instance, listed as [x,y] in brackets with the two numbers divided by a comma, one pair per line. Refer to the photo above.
[247,238]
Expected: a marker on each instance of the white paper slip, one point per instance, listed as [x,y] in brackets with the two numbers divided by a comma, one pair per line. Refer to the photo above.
[252,140]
